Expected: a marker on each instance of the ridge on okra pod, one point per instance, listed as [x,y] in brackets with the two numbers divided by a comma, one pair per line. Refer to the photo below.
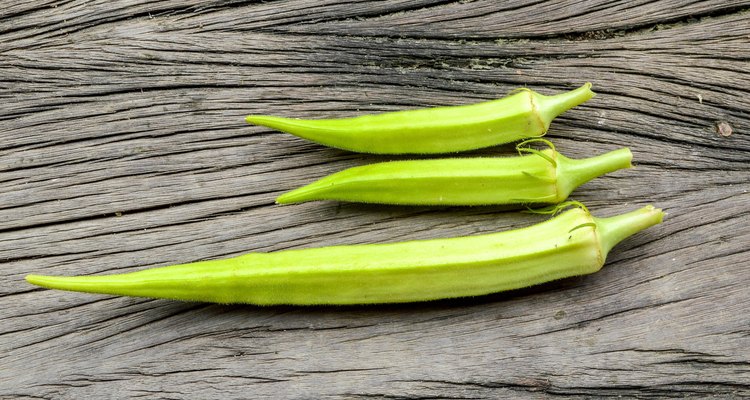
[544,176]
[522,114]
[569,244]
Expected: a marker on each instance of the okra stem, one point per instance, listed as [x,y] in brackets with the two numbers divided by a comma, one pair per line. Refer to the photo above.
[550,107]
[572,173]
[613,230]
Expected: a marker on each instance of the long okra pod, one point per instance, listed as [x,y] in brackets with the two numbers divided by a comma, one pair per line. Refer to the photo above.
[542,177]
[523,114]
[573,243]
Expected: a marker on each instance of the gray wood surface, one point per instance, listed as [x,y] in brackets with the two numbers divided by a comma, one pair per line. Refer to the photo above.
[123,146]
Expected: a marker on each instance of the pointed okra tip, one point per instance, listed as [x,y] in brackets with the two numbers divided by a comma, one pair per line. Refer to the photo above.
[49,282]
[269,121]
[34,279]
[255,119]
[103,284]
[309,192]
[289,198]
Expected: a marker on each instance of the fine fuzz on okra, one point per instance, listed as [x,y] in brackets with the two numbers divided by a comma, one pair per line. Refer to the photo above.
[522,114]
[541,177]
[572,243]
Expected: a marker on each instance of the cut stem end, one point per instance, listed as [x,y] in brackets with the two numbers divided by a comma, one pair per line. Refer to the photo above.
[572,173]
[549,107]
[615,229]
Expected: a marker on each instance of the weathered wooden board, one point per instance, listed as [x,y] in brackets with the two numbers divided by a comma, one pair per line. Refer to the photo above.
[123,146]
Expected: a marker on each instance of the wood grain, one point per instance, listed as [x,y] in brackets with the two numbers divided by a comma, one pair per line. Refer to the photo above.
[123,146]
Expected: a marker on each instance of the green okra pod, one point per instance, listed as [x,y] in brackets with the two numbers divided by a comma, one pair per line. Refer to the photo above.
[541,177]
[572,243]
[522,114]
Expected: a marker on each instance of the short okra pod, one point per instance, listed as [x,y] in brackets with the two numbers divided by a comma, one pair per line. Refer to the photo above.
[541,177]
[572,243]
[522,114]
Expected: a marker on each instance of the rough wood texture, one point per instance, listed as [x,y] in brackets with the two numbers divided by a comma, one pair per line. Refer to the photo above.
[123,146]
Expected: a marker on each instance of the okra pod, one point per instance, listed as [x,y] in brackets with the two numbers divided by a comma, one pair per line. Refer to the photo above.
[541,177]
[522,114]
[572,243]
